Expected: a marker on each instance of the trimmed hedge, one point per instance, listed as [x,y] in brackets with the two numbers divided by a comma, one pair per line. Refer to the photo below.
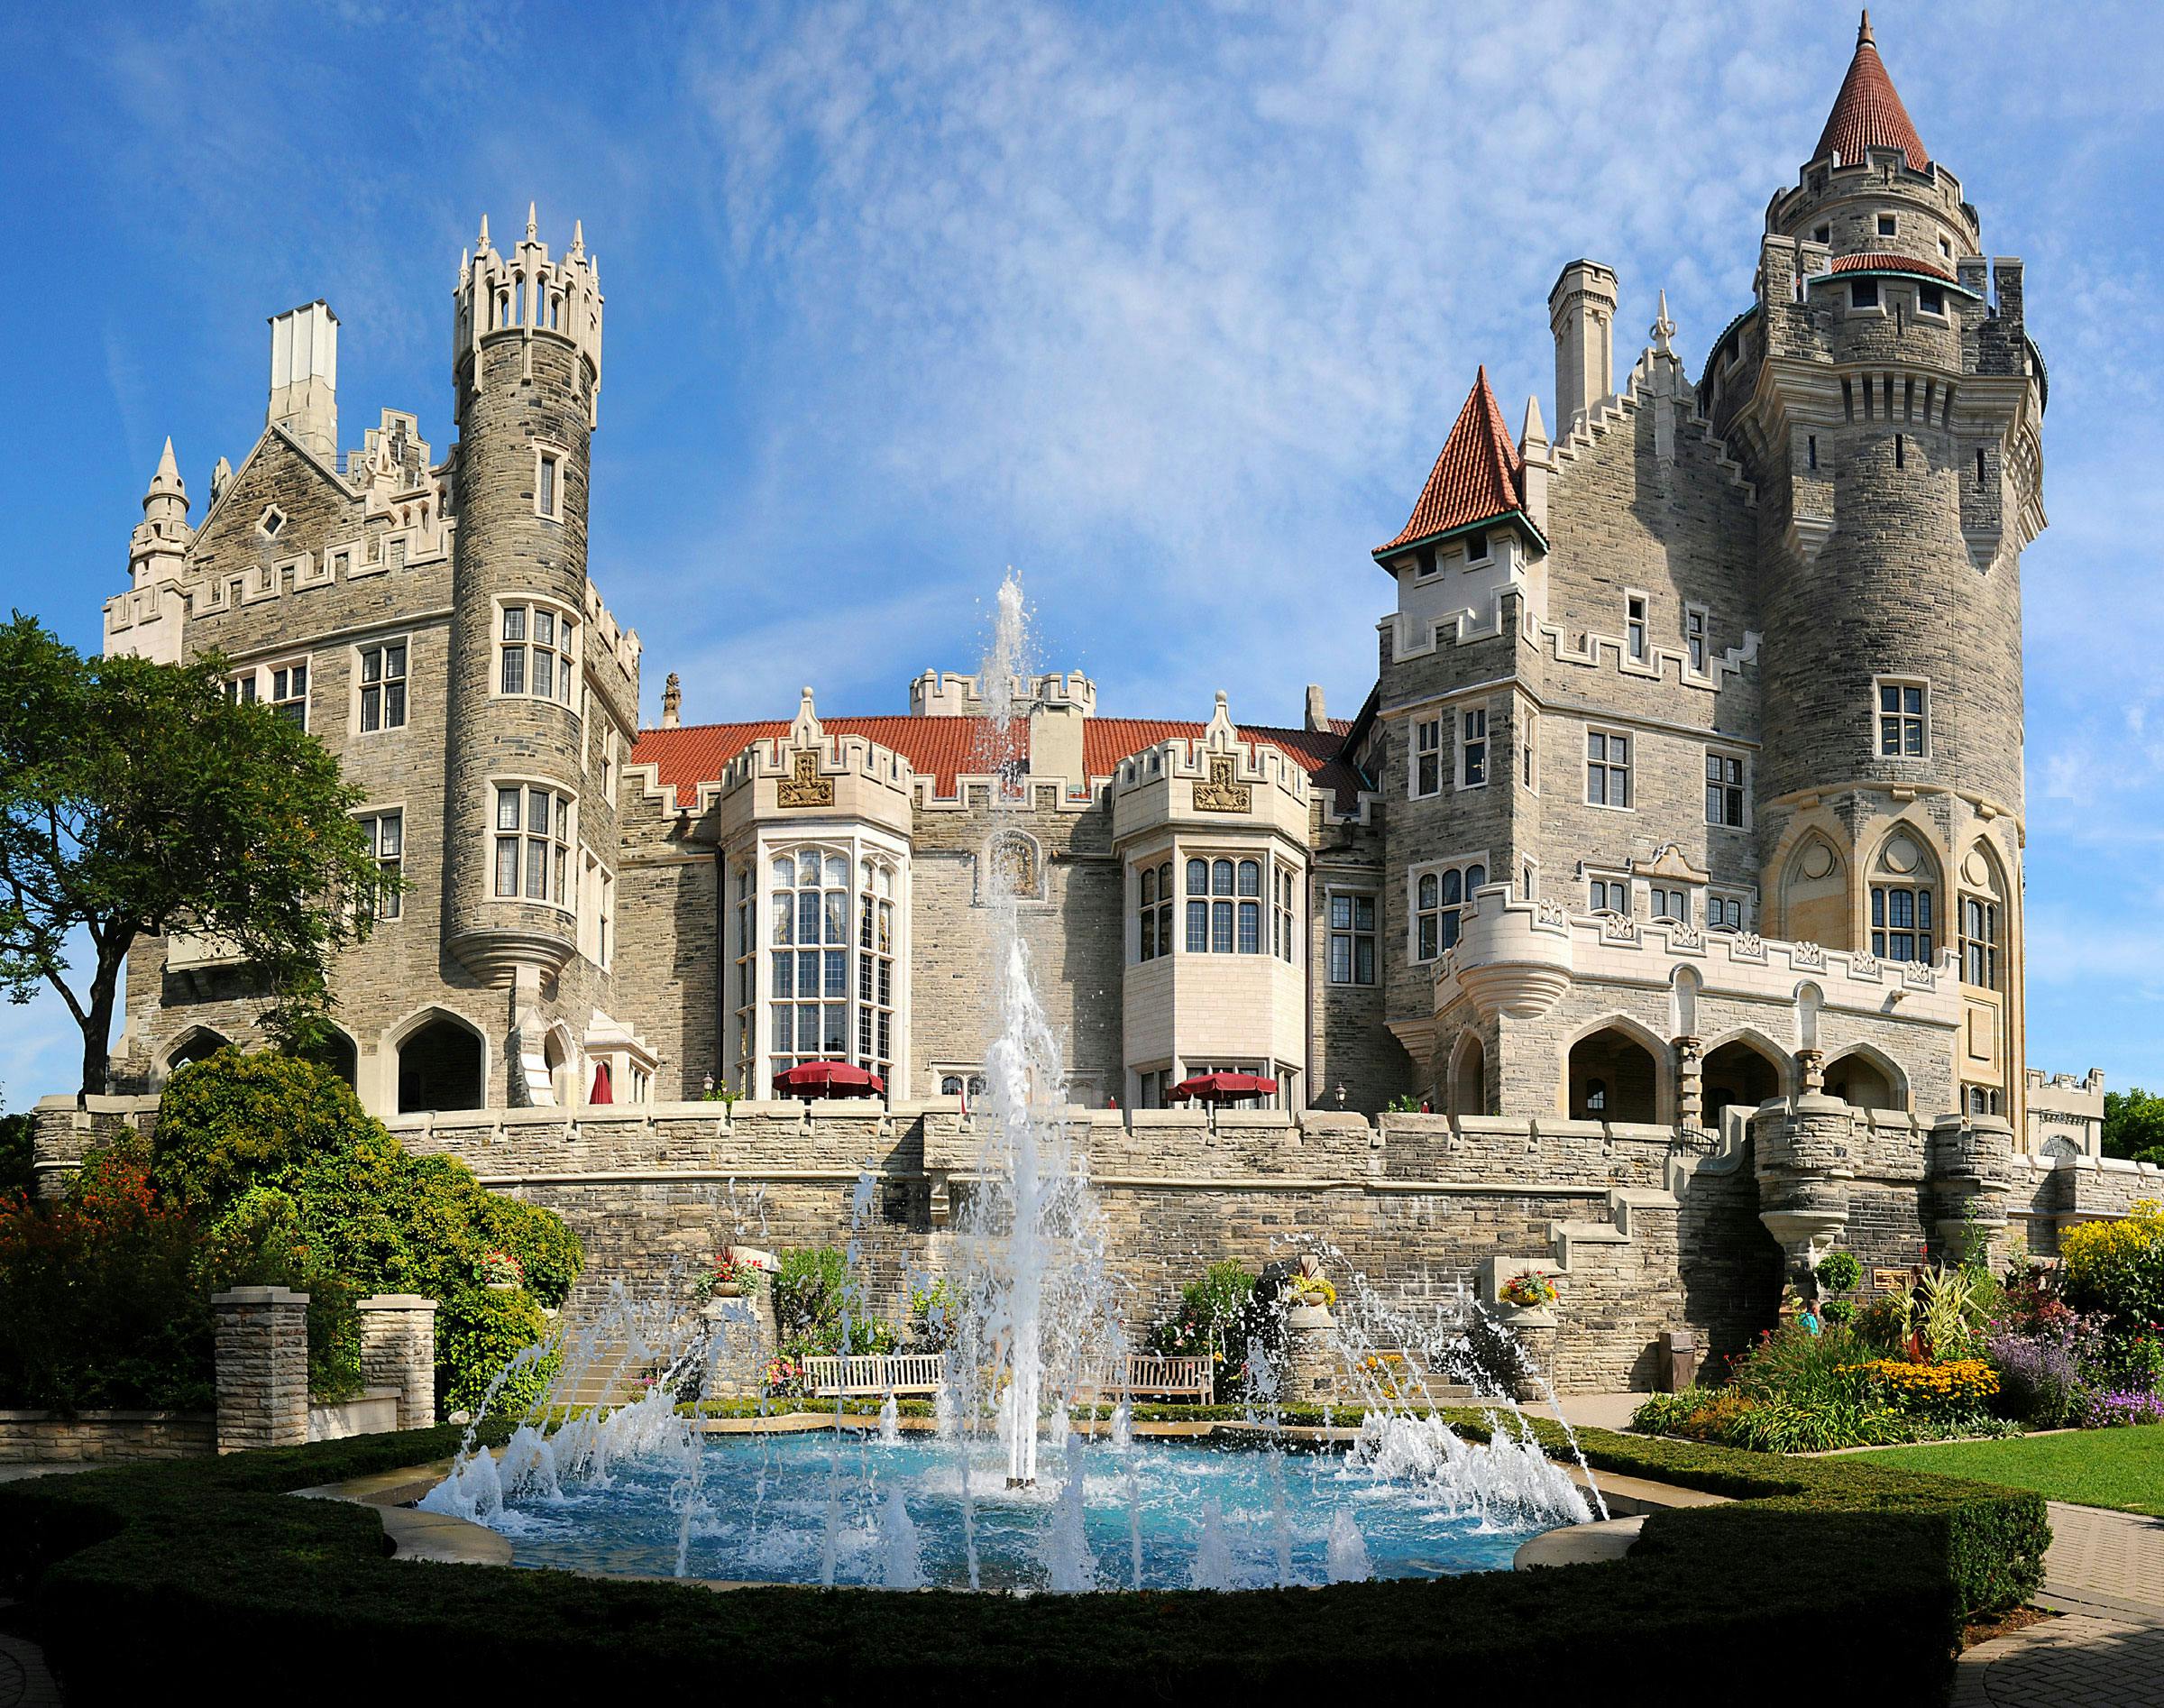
[1827,1576]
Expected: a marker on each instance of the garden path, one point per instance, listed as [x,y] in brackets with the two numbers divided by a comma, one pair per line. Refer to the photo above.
[2104,1574]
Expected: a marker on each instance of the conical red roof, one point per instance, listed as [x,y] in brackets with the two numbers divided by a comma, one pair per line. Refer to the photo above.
[1868,113]
[1475,480]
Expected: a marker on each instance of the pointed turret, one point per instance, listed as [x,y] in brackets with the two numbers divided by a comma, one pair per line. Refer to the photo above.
[167,497]
[1867,113]
[1475,480]
[159,546]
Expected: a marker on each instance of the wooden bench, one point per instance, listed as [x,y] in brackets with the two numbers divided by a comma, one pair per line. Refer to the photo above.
[873,1375]
[1189,1380]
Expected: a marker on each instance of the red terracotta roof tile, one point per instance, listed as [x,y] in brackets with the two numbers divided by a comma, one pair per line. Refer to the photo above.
[1477,478]
[1879,259]
[947,747]
[1868,113]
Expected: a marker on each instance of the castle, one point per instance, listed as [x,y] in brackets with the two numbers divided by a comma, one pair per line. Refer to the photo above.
[1691,775]
[1689,793]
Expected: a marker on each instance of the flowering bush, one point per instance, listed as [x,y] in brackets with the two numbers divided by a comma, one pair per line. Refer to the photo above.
[1218,1319]
[2106,1410]
[2041,1378]
[784,1375]
[1958,1385]
[2118,1266]
[1529,1290]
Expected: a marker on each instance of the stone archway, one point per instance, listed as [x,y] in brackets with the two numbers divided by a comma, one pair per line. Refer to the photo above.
[443,1064]
[1738,1073]
[1468,1086]
[1612,1076]
[1863,1081]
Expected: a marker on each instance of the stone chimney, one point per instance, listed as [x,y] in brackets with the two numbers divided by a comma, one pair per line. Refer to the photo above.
[1317,718]
[303,377]
[672,701]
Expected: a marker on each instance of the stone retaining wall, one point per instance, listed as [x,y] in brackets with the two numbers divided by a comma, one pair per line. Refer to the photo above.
[103,1438]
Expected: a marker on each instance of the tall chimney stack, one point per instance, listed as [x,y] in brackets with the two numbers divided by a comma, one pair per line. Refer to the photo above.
[303,377]
[1581,311]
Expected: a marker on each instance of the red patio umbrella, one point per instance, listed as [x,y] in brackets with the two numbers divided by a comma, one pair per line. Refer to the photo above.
[1222,1088]
[604,1088]
[809,1080]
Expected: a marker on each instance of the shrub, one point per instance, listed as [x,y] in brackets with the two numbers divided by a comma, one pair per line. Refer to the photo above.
[2118,1266]
[258,1242]
[100,1304]
[1218,1319]
[1838,1271]
[1838,1313]
[233,1121]
[478,1333]
[2040,1379]
[18,1136]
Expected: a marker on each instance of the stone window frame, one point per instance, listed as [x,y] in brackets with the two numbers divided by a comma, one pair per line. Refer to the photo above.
[1466,741]
[553,459]
[1889,224]
[1942,312]
[1726,899]
[1229,907]
[1637,627]
[1604,885]
[1628,766]
[1528,749]
[1152,906]
[1462,866]
[748,1049]
[357,695]
[1150,1080]
[1528,878]
[272,522]
[1878,714]
[257,683]
[1414,754]
[1669,903]
[564,843]
[1877,304]
[382,909]
[1741,758]
[571,657]
[597,909]
[1698,640]
[1353,894]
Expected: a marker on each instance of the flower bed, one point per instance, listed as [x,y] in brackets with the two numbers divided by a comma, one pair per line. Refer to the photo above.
[202,1561]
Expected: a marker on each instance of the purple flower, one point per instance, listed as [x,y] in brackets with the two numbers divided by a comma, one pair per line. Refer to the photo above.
[2124,1406]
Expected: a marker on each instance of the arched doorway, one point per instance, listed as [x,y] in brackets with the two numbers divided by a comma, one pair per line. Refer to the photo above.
[562,1072]
[441,1066]
[1739,1073]
[1860,1082]
[1613,1077]
[336,1052]
[196,1046]
[1468,1076]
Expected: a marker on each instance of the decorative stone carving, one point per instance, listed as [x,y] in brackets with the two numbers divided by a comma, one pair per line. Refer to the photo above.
[1863,965]
[1690,1084]
[1223,792]
[1812,1063]
[1747,946]
[1806,955]
[805,786]
[1552,912]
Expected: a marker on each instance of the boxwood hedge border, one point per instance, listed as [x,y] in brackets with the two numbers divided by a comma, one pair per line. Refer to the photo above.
[1823,1576]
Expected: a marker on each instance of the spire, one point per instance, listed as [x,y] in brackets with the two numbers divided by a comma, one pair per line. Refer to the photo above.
[1867,113]
[1475,480]
[167,477]
[578,237]
[533,226]
[480,246]
[1536,430]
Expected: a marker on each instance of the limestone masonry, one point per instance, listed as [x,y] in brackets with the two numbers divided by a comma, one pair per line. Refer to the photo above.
[1673,860]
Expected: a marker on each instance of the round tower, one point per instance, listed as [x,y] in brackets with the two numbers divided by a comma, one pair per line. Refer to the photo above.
[1892,424]
[527,375]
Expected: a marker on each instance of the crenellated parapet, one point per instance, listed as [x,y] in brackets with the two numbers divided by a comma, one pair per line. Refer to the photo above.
[526,294]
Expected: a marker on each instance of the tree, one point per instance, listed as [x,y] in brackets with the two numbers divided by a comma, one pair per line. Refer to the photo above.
[2134,1125]
[137,800]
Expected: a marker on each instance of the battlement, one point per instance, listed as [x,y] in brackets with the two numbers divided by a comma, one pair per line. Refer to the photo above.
[1221,779]
[526,293]
[944,693]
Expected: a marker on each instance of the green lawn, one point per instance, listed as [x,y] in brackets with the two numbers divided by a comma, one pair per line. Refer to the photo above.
[2123,1468]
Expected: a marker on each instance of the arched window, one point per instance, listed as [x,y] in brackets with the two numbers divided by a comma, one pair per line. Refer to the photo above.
[1982,918]
[1904,915]
[1439,903]
[199,1045]
[1146,932]
[950,1085]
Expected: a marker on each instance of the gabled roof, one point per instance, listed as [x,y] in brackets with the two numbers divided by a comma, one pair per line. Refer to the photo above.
[1478,478]
[944,749]
[1867,113]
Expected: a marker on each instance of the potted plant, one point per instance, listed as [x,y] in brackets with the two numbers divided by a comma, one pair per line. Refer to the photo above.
[729,1277]
[1529,1290]
[501,1273]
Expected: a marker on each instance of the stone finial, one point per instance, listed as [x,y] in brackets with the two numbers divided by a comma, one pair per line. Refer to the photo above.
[1535,432]
[533,226]
[219,475]
[1863,30]
[804,730]
[480,244]
[1220,732]
[578,237]
[1663,330]
[1317,717]
[672,702]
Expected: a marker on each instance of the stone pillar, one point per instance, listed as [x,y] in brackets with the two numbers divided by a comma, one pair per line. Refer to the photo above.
[1970,1164]
[262,1368]
[1811,1065]
[1534,1327]
[1804,1165]
[397,1350]
[1313,1372]
[1690,1082]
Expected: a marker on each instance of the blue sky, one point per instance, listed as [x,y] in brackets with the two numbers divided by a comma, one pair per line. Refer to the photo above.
[1168,308]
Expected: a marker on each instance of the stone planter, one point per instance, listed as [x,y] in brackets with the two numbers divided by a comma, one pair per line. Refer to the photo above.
[1533,1327]
[503,1287]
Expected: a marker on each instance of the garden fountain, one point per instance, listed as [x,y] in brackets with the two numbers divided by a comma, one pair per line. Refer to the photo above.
[1007,1494]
